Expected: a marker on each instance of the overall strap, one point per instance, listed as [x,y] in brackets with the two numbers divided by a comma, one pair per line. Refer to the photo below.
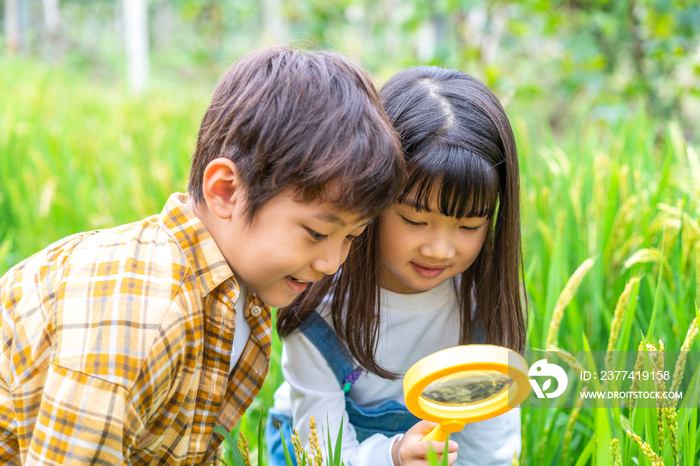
[317,330]
[388,418]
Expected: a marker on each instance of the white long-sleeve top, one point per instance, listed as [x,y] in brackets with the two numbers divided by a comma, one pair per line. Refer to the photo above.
[412,327]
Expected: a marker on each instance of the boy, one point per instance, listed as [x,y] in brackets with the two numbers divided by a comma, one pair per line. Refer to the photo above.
[128,345]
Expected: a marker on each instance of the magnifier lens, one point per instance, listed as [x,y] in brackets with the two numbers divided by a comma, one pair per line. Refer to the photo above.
[467,387]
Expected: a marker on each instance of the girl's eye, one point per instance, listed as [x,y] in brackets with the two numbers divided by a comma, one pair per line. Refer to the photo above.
[315,235]
[350,237]
[413,224]
[464,227]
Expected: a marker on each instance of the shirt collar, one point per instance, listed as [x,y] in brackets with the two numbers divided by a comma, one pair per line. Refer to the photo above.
[203,255]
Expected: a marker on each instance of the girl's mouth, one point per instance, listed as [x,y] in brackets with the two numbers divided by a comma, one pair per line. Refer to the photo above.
[428,272]
[295,284]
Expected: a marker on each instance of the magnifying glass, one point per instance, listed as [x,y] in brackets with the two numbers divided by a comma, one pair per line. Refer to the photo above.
[465,384]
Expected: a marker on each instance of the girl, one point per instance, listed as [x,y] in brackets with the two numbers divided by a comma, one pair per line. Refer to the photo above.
[438,269]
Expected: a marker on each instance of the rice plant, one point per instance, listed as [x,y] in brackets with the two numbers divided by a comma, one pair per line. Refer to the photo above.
[611,238]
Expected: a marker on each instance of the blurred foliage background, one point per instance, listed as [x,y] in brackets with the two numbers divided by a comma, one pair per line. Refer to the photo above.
[100,103]
[547,56]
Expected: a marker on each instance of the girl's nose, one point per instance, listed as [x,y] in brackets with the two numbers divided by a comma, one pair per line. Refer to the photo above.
[439,249]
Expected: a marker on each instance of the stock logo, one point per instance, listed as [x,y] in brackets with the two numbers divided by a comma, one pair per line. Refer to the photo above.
[544,369]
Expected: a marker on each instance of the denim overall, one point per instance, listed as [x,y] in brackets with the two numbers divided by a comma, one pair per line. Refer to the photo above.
[388,418]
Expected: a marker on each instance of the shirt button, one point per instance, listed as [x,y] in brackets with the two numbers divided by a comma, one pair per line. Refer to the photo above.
[256,311]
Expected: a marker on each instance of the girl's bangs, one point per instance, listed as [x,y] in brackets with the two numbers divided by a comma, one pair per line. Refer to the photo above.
[466,185]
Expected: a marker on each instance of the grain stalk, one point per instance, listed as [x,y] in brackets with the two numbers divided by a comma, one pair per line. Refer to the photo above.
[685,347]
[646,449]
[298,450]
[660,387]
[570,425]
[244,448]
[564,299]
[639,366]
[316,457]
[568,358]
[615,452]
[618,319]
[671,416]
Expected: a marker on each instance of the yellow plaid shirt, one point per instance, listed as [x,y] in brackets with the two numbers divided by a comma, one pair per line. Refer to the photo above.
[116,346]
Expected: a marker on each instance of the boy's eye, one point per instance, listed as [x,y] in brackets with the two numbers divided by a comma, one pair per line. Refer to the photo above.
[315,235]
[412,223]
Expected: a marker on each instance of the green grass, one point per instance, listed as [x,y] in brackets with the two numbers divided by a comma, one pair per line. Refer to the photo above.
[76,156]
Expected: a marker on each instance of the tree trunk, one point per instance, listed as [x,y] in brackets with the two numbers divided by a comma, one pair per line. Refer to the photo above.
[12,26]
[51,45]
[136,44]
[426,41]
[51,16]
[275,26]
[430,37]
[497,19]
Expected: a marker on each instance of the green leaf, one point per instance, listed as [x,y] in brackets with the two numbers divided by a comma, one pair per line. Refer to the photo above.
[330,458]
[657,293]
[287,458]
[431,456]
[338,445]
[587,452]
[600,414]
[445,452]
[260,440]
[232,444]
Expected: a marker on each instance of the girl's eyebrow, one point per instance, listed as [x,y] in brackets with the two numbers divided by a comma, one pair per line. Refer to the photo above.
[412,203]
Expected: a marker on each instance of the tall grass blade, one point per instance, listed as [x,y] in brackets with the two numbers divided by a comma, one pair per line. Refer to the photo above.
[432,457]
[287,457]
[330,459]
[338,446]
[603,432]
[657,293]
[261,430]
[233,446]
[587,452]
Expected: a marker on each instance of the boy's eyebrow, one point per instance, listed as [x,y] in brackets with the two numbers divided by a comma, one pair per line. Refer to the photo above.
[331,217]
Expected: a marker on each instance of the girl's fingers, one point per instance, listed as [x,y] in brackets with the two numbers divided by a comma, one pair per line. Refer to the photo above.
[451,458]
[412,449]
[418,450]
[439,447]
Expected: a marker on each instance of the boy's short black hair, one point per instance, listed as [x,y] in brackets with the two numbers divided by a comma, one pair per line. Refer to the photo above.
[311,121]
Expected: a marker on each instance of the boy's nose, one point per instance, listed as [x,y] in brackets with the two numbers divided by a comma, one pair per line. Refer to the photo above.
[330,261]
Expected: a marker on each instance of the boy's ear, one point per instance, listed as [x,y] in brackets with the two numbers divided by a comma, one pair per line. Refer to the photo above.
[222,187]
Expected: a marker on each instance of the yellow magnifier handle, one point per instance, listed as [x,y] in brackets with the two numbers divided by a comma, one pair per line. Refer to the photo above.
[442,430]
[436,434]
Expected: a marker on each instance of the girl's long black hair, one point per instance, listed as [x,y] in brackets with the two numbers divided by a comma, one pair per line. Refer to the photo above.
[459,146]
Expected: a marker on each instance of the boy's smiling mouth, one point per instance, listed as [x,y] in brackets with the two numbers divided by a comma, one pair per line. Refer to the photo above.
[427,271]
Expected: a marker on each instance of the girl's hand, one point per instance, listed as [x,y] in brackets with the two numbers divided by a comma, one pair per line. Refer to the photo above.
[412,450]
